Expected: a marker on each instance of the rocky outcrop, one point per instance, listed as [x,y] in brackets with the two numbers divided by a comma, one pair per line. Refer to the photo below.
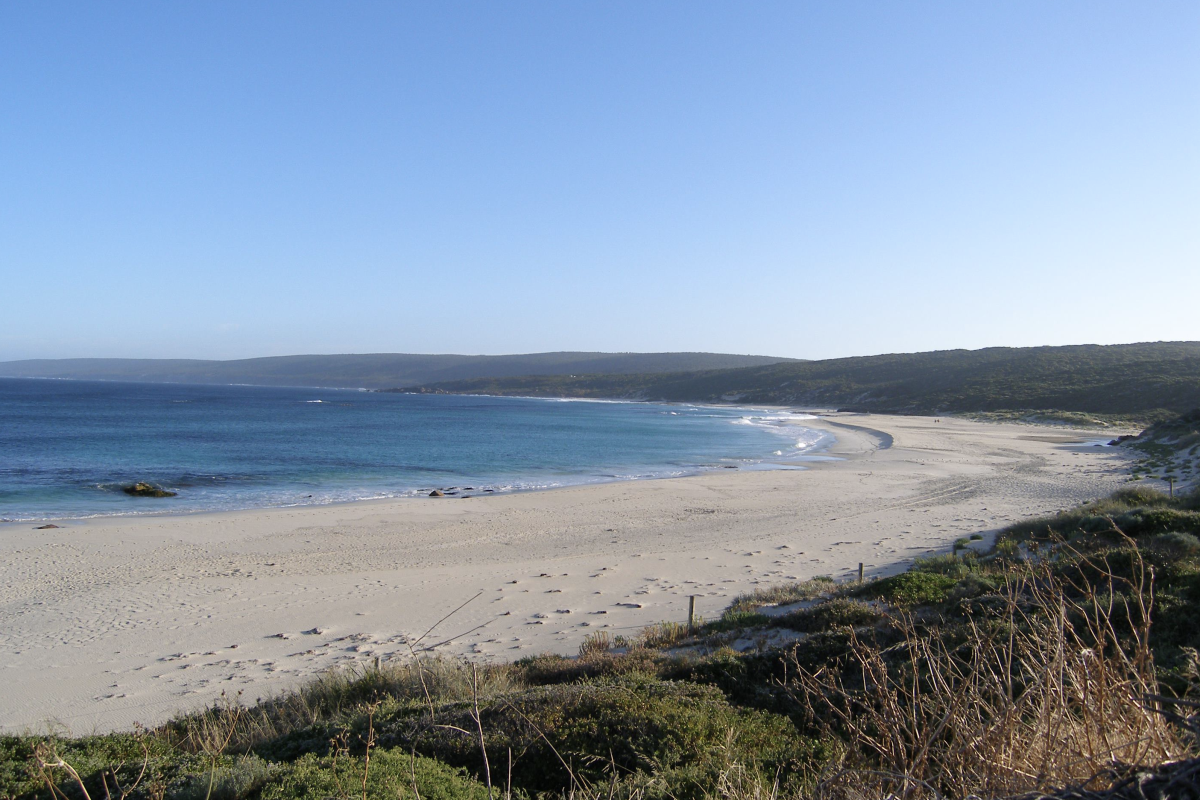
[147,490]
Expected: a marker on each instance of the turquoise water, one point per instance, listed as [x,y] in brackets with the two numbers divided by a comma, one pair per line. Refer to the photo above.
[66,447]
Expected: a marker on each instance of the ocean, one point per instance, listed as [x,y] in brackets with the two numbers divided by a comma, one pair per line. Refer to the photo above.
[68,447]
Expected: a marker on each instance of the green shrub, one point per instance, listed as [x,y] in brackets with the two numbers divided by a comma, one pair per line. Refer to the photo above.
[1149,521]
[1006,548]
[389,777]
[1182,545]
[633,724]
[1175,623]
[911,589]
[91,756]
[1191,500]
[971,586]
[836,613]
[1139,496]
[231,779]
[550,669]
[956,565]
[1124,565]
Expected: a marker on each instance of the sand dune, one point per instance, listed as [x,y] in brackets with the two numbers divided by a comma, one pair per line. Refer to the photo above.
[110,622]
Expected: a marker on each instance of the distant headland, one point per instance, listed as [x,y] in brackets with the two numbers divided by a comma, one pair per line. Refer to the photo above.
[371,370]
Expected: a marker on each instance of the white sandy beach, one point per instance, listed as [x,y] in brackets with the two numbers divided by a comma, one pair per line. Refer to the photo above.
[109,622]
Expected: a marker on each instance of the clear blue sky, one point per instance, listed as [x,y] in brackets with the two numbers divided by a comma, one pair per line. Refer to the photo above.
[810,179]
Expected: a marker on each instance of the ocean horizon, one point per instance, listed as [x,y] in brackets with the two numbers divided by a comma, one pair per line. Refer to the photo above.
[67,448]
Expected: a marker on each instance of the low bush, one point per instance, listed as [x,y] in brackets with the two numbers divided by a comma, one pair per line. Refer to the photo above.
[227,779]
[627,725]
[1142,522]
[972,586]
[955,565]
[1179,545]
[911,589]
[1131,496]
[783,594]
[831,614]
[389,775]
[550,669]
[95,759]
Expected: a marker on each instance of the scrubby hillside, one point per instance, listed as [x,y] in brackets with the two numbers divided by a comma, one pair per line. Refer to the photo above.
[1145,381]
[372,371]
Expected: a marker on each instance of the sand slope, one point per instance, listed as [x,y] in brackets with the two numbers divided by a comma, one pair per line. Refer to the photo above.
[105,623]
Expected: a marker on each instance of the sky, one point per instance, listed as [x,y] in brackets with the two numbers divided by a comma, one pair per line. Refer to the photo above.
[803,179]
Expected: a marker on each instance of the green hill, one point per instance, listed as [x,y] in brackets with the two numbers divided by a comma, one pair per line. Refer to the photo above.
[1145,380]
[372,371]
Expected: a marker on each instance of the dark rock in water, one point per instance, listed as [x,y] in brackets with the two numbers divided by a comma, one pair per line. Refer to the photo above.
[146,490]
[45,527]
[436,493]
[1122,439]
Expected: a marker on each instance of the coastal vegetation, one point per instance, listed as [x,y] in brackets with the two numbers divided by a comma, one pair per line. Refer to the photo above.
[1168,450]
[1086,384]
[1061,655]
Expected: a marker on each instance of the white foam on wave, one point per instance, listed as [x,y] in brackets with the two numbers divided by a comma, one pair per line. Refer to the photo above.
[553,399]
[788,425]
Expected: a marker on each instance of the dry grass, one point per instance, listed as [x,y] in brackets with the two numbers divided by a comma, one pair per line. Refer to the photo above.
[595,643]
[337,695]
[1050,691]
[782,594]
[735,782]
[662,635]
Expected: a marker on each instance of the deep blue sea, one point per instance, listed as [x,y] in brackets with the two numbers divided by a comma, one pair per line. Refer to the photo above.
[67,447]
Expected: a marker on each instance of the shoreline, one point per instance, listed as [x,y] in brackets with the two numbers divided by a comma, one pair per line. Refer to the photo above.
[117,620]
